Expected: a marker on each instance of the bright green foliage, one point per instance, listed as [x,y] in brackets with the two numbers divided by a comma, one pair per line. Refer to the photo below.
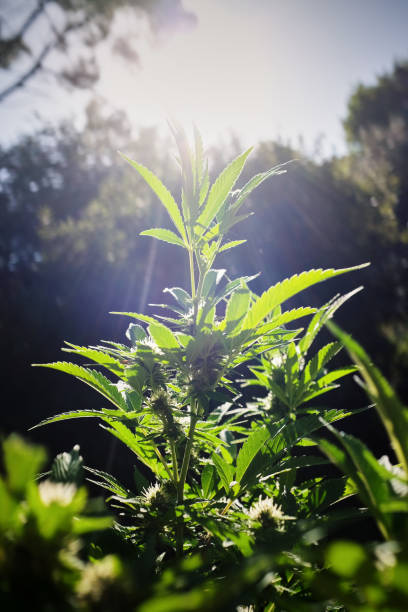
[382,486]
[179,369]
[392,412]
[39,523]
[221,475]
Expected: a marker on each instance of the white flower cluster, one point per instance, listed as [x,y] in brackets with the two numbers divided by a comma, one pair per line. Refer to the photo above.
[56,493]
[266,509]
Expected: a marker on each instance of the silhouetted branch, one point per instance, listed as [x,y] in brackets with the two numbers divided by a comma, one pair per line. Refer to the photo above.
[34,68]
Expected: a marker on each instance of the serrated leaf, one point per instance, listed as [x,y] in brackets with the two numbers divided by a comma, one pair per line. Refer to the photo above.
[181,296]
[229,221]
[315,365]
[312,394]
[231,245]
[236,310]
[137,443]
[135,333]
[108,482]
[109,362]
[324,314]
[205,185]
[286,317]
[136,315]
[225,471]
[295,463]
[393,413]
[357,462]
[162,193]
[165,235]
[163,336]
[93,378]
[220,190]
[254,182]
[224,292]
[334,375]
[207,480]
[251,447]
[286,289]
[79,414]
[211,279]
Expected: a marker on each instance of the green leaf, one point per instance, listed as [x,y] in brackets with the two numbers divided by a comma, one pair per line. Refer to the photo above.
[68,467]
[108,482]
[329,378]
[204,187]
[345,558]
[393,413]
[220,190]
[211,280]
[312,394]
[22,462]
[286,289]
[295,463]
[315,365]
[361,466]
[231,245]
[162,193]
[254,182]
[79,414]
[163,336]
[93,378]
[135,333]
[137,443]
[207,480]
[225,471]
[224,292]
[136,315]
[286,317]
[251,447]
[181,296]
[165,235]
[324,314]
[236,310]
[85,524]
[327,492]
[109,362]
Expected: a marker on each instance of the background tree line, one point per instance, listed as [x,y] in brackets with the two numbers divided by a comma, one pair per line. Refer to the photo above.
[70,252]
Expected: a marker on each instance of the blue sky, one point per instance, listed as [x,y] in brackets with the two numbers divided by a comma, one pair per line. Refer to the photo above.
[260,68]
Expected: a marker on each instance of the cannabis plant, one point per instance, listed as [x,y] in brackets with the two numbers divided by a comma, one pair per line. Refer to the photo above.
[222,471]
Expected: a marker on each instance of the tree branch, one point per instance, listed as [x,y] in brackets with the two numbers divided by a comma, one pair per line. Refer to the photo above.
[34,68]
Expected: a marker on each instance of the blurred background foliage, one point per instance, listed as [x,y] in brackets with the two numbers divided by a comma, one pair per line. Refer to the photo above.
[71,212]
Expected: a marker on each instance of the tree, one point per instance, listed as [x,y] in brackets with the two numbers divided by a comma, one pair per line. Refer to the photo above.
[70,250]
[32,31]
[377,128]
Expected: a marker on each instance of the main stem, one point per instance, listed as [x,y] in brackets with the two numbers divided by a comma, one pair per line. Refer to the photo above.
[193,422]
[183,475]
[192,275]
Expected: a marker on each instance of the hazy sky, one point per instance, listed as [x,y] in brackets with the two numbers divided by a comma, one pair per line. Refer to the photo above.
[262,68]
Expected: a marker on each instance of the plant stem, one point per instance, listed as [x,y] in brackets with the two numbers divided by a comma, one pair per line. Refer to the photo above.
[182,480]
[162,461]
[228,506]
[192,276]
[187,455]
[174,459]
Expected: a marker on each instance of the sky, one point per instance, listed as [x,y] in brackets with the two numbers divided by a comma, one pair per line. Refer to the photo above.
[262,69]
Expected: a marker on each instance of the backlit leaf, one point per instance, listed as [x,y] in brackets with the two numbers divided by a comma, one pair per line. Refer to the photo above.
[162,193]
[220,190]
[165,235]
